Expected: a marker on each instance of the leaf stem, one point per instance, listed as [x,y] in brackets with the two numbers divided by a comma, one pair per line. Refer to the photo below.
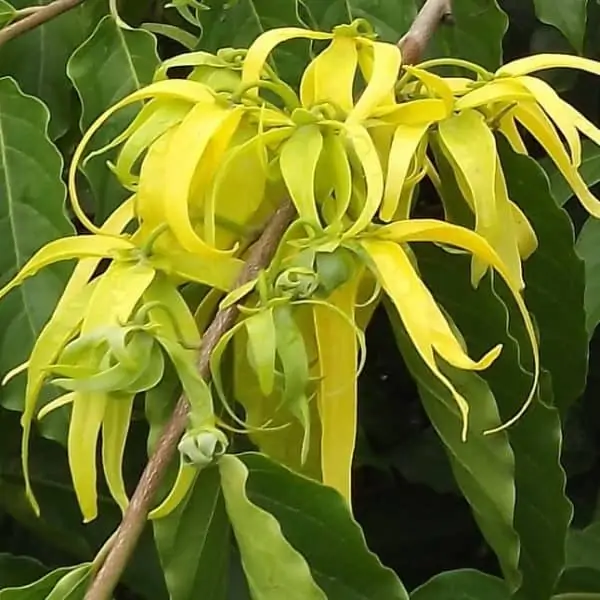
[33,17]
[134,520]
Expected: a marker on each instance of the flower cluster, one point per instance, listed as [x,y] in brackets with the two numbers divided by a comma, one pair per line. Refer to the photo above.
[207,159]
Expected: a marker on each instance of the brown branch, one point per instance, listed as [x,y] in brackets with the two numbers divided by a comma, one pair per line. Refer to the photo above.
[38,17]
[134,520]
[414,42]
[136,514]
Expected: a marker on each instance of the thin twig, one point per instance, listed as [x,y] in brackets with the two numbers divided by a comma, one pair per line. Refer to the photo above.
[134,520]
[38,17]
[414,42]
[136,514]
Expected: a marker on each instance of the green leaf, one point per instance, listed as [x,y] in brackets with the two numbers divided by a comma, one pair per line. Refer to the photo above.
[569,16]
[41,589]
[17,571]
[583,547]
[274,569]
[555,279]
[316,521]
[7,13]
[579,579]
[37,59]
[483,465]
[589,170]
[587,249]
[462,585]
[109,65]
[194,542]
[32,199]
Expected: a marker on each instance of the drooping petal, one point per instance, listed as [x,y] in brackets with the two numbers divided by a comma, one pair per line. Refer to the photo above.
[84,428]
[262,348]
[426,325]
[330,76]
[507,126]
[436,85]
[540,62]
[115,427]
[405,143]
[501,90]
[386,65]
[337,387]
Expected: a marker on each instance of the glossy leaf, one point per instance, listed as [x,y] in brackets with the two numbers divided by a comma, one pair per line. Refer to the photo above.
[569,16]
[40,589]
[112,63]
[589,169]
[315,519]
[555,276]
[587,248]
[465,584]
[483,465]
[38,59]
[194,542]
[32,199]
[18,571]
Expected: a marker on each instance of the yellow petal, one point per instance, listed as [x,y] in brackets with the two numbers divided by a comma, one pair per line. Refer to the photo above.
[496,91]
[263,46]
[187,148]
[508,127]
[386,65]
[435,84]
[558,110]
[431,230]
[414,112]
[526,236]
[538,124]
[373,175]
[337,391]
[84,428]
[186,476]
[540,62]
[115,427]
[68,248]
[177,89]
[405,143]
[427,327]
[330,76]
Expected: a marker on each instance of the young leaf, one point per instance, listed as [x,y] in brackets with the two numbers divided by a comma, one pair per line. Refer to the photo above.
[466,584]
[317,522]
[31,214]
[109,65]
[37,59]
[274,569]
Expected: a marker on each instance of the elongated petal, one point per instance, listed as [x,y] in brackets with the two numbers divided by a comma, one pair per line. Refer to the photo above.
[68,248]
[502,90]
[426,325]
[84,428]
[526,237]
[299,158]
[186,476]
[165,116]
[415,112]
[118,292]
[558,110]
[262,347]
[337,391]
[63,324]
[540,62]
[177,89]
[508,128]
[187,148]
[373,174]
[335,151]
[431,230]
[115,427]
[485,182]
[263,46]
[330,76]
[538,124]
[435,84]
[386,65]
[405,143]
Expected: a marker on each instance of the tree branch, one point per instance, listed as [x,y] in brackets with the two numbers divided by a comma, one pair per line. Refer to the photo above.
[414,42]
[38,17]
[134,520]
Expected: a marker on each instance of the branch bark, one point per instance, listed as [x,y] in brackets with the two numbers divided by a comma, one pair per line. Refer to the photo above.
[412,45]
[38,17]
